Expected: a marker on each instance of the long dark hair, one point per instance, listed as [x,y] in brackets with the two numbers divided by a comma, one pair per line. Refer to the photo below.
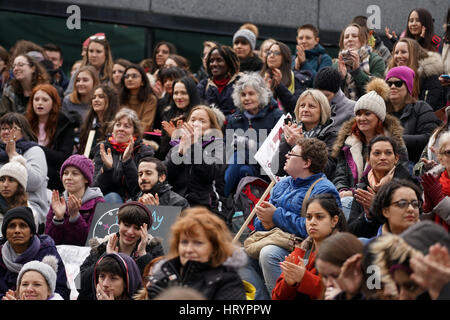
[39,76]
[191,88]
[145,91]
[329,203]
[230,57]
[18,199]
[172,50]
[285,67]
[427,21]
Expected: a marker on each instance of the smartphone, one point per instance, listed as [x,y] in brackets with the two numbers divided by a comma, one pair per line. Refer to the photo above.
[445,76]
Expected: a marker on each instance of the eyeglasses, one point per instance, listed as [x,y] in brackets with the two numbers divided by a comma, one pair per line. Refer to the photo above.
[20,64]
[276,53]
[8,129]
[290,154]
[446,153]
[97,37]
[132,76]
[397,83]
[403,204]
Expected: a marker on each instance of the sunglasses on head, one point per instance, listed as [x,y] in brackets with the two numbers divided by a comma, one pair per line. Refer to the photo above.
[397,83]
[97,37]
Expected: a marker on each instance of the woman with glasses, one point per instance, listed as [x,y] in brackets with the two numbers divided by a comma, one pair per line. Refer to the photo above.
[427,66]
[383,159]
[137,94]
[28,73]
[286,84]
[416,116]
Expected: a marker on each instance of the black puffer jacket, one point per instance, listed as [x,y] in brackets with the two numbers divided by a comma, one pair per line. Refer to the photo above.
[221,283]
[431,91]
[166,196]
[122,177]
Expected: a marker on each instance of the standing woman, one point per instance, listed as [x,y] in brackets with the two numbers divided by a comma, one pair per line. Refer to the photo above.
[116,159]
[356,61]
[27,74]
[104,106]
[53,128]
[18,138]
[299,278]
[285,84]
[428,67]
[420,27]
[222,66]
[417,117]
[137,94]
[185,97]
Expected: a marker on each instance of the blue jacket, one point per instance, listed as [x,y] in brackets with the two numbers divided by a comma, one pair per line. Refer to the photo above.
[287,196]
[8,278]
[312,62]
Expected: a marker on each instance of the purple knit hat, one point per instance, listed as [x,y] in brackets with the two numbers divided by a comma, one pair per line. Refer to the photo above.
[403,73]
[82,163]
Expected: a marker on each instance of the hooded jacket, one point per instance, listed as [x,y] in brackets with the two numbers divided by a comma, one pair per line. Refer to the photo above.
[75,231]
[87,292]
[429,71]
[349,152]
[166,196]
[41,246]
[132,279]
[221,283]
[341,109]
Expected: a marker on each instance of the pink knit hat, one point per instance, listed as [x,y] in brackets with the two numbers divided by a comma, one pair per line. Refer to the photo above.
[403,73]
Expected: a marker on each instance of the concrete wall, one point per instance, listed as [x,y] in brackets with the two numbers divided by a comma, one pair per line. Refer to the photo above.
[329,15]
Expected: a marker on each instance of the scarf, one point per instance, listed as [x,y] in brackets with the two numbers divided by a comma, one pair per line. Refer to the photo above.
[14,262]
[221,84]
[22,146]
[119,147]
[350,89]
[376,185]
[445,182]
[313,133]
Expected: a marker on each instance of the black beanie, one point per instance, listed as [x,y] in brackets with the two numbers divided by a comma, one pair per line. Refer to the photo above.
[422,235]
[327,78]
[23,213]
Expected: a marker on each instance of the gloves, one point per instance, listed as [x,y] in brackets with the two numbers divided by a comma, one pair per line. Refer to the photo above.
[432,190]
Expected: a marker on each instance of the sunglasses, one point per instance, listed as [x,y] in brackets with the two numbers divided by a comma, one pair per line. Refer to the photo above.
[97,37]
[397,83]
[403,204]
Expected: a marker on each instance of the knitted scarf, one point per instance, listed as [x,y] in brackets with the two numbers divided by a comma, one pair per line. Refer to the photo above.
[351,90]
[221,84]
[119,147]
[14,262]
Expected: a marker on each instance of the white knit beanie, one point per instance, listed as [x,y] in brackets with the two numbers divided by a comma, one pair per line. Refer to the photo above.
[48,267]
[373,102]
[16,168]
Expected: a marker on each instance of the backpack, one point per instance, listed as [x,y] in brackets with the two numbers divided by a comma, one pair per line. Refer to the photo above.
[248,192]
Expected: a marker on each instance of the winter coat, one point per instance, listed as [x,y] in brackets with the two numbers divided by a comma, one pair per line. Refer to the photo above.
[419,121]
[60,150]
[12,101]
[357,222]
[166,196]
[199,183]
[40,246]
[251,64]
[98,248]
[311,286]
[37,175]
[220,283]
[349,153]
[209,93]
[429,71]
[287,196]
[302,81]
[341,109]
[75,231]
[133,278]
[122,177]
[316,59]
[80,109]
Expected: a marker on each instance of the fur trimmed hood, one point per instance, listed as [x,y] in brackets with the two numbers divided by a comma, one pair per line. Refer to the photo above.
[95,242]
[431,65]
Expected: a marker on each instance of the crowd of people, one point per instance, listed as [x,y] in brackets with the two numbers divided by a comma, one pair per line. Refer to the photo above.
[363,167]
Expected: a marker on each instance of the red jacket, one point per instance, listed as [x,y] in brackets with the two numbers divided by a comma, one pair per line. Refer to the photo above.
[310,285]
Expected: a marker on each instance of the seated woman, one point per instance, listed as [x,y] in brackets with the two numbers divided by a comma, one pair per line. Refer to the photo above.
[132,239]
[118,70]
[36,281]
[417,117]
[70,216]
[334,251]
[104,106]
[53,128]
[244,43]
[383,160]
[116,159]
[200,241]
[18,138]
[427,66]
[255,115]
[116,277]
[300,279]
[436,186]
[28,246]
[313,120]
[351,144]
[285,84]
[356,61]
[196,164]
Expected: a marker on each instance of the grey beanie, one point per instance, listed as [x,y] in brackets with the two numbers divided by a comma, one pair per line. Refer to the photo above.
[246,34]
[48,267]
[422,235]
